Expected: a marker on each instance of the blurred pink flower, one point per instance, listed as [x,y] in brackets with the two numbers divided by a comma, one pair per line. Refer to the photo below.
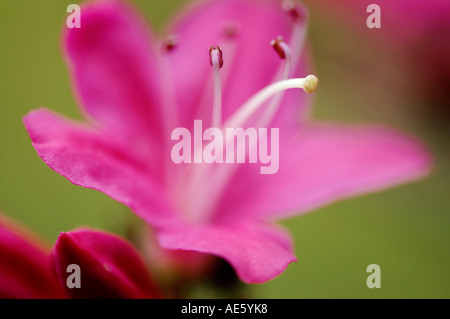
[402,21]
[109,266]
[134,90]
[415,32]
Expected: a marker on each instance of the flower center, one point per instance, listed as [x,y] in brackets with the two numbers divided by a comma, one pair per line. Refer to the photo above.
[205,183]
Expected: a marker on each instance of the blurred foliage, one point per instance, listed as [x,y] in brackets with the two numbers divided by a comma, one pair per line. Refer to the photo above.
[404,230]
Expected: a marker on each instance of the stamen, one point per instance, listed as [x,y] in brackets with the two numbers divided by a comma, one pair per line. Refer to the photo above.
[216,57]
[299,14]
[291,7]
[283,50]
[230,28]
[308,84]
[170,42]
[291,54]
[216,60]
[277,44]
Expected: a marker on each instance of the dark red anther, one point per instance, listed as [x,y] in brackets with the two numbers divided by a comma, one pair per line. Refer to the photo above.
[217,49]
[293,9]
[170,43]
[276,44]
[231,28]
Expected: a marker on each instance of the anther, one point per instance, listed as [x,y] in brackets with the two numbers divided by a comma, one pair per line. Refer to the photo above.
[170,42]
[290,7]
[277,44]
[230,28]
[215,56]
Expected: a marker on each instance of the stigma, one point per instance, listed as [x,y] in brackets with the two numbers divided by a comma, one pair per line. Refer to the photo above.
[310,84]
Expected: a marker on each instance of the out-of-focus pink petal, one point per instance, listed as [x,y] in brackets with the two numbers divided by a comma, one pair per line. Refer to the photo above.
[90,159]
[257,253]
[110,267]
[250,63]
[189,264]
[323,164]
[115,71]
[403,22]
[25,268]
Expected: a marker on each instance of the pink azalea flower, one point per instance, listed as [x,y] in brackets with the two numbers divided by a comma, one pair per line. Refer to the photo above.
[414,31]
[109,266]
[135,89]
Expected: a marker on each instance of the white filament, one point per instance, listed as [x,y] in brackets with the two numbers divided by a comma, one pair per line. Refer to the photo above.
[276,101]
[217,99]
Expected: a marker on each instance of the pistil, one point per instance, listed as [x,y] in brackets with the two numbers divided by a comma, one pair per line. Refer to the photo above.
[308,84]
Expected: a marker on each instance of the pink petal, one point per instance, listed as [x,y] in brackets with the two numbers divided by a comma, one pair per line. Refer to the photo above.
[188,264]
[25,270]
[250,63]
[323,164]
[90,159]
[115,71]
[257,253]
[110,267]
[403,22]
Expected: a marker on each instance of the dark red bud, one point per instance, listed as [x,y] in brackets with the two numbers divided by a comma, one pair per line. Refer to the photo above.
[25,266]
[108,266]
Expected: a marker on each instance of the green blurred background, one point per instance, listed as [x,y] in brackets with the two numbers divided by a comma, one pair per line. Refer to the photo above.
[404,230]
